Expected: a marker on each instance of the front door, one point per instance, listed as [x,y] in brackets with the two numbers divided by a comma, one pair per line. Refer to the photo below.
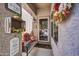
[43,30]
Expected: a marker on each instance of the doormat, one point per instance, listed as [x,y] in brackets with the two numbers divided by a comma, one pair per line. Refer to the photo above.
[43,46]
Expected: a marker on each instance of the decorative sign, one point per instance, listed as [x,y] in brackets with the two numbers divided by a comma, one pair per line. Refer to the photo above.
[7,25]
[14,46]
[14,7]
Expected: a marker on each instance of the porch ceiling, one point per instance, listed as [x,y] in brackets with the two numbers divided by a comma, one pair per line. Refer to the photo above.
[36,8]
[43,5]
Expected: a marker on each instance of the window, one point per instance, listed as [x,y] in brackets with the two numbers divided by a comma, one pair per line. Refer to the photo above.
[28,19]
[55,33]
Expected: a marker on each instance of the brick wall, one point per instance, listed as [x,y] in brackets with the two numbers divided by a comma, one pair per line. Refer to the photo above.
[68,37]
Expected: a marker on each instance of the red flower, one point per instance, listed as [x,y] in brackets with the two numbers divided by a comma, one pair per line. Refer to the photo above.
[66,13]
[56,6]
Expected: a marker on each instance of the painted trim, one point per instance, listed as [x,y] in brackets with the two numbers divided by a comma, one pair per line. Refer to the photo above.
[48,28]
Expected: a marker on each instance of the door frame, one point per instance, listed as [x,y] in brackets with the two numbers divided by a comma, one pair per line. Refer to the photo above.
[48,29]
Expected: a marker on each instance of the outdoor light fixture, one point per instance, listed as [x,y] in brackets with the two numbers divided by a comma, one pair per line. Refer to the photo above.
[17,17]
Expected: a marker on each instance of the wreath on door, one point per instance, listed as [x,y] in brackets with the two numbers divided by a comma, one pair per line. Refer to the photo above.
[61,11]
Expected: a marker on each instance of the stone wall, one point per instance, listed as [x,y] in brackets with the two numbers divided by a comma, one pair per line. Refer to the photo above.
[6,37]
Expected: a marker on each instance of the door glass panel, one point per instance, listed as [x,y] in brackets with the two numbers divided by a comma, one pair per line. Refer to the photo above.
[43,29]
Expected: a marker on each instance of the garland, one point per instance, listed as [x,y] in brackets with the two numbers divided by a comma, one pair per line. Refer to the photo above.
[61,11]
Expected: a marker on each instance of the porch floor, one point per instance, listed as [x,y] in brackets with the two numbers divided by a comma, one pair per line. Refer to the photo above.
[39,52]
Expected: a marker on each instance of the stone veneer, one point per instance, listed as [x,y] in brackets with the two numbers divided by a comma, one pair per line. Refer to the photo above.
[4,37]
